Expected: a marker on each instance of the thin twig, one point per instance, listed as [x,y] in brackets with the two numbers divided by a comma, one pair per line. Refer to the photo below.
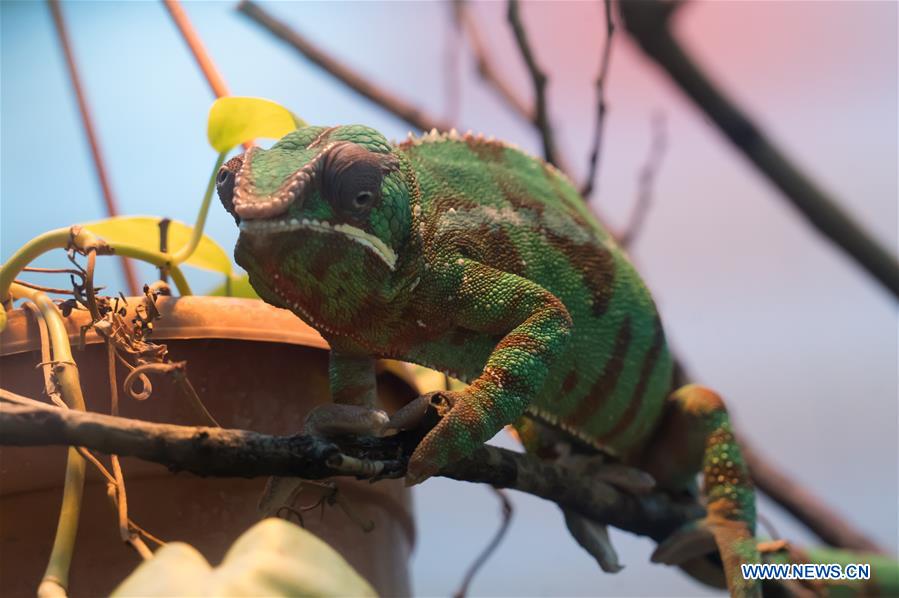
[44,289]
[648,23]
[646,181]
[506,515]
[486,69]
[452,84]
[120,496]
[198,51]
[393,104]
[590,180]
[87,121]
[538,78]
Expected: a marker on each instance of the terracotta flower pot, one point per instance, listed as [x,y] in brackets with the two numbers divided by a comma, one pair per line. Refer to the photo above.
[255,367]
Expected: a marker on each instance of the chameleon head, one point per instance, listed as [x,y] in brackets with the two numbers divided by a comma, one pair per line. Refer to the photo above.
[324,207]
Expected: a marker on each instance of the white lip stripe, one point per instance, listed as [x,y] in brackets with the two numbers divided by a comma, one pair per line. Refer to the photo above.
[369,241]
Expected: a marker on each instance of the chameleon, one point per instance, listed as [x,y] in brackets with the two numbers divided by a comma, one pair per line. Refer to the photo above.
[467,255]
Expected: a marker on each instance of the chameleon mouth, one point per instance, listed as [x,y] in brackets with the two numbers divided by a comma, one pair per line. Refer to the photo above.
[357,235]
[249,204]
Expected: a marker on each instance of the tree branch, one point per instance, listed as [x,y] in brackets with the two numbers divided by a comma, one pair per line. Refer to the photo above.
[381,97]
[590,181]
[486,68]
[645,181]
[807,508]
[538,77]
[647,22]
[239,453]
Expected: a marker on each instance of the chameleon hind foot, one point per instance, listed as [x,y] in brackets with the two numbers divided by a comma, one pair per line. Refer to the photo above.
[698,423]
[594,538]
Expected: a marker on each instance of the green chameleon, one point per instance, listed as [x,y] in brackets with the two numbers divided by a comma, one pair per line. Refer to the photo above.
[466,255]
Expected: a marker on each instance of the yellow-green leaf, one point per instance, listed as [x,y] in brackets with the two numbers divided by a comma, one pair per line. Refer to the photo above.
[239,287]
[234,120]
[273,558]
[143,231]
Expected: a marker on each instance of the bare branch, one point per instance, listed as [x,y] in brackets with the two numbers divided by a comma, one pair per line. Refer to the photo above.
[590,181]
[87,120]
[807,508]
[486,68]
[646,180]
[240,453]
[196,47]
[506,511]
[823,521]
[412,115]
[538,77]
[647,22]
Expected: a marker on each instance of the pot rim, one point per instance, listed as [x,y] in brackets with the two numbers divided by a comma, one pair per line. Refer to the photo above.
[183,318]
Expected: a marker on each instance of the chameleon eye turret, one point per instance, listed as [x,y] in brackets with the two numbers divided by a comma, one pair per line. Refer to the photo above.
[224,184]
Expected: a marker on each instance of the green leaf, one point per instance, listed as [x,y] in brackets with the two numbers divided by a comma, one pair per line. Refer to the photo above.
[234,120]
[239,287]
[143,231]
[273,558]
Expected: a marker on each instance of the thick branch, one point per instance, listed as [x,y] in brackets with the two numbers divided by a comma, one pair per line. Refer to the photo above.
[647,22]
[404,110]
[240,453]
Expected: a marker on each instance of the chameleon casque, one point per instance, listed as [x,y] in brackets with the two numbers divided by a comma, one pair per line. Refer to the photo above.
[466,255]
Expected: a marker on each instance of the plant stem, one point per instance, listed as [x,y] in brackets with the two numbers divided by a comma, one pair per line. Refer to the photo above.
[54,239]
[185,252]
[56,576]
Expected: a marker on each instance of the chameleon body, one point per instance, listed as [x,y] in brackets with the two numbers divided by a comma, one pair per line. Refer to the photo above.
[467,255]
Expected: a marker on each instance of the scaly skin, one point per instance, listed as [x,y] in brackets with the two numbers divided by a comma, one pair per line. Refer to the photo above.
[468,256]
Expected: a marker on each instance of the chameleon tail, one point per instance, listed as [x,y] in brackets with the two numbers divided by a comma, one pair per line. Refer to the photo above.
[730,501]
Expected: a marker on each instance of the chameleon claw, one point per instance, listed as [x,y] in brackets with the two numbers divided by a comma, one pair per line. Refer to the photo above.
[333,419]
[594,538]
[692,541]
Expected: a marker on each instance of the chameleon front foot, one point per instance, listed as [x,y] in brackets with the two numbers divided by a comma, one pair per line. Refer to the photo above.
[336,419]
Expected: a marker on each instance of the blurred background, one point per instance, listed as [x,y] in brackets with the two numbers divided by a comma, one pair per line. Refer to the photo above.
[800,342]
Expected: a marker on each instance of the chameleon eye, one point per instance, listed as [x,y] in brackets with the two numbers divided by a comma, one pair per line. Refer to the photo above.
[224,182]
[363,198]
